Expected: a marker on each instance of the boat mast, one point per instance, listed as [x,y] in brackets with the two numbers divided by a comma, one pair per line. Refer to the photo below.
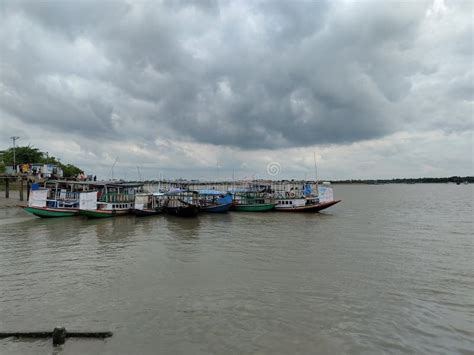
[316,173]
[113,165]
[139,174]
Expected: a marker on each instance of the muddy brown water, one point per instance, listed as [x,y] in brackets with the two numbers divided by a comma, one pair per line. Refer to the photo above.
[390,269]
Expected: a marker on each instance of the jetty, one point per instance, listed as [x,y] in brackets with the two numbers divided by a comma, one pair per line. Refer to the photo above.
[16,187]
[58,335]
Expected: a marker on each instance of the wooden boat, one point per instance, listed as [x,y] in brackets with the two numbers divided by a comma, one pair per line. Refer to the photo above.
[294,205]
[46,212]
[54,199]
[182,203]
[113,199]
[104,213]
[303,200]
[252,202]
[257,207]
[148,204]
[145,213]
[223,208]
[212,201]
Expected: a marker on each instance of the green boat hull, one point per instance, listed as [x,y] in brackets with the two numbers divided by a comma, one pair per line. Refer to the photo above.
[102,214]
[264,207]
[50,213]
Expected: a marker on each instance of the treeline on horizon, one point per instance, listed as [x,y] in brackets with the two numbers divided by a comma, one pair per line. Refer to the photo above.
[31,155]
[424,180]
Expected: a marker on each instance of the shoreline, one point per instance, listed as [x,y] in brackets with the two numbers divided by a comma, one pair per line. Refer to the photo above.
[13,201]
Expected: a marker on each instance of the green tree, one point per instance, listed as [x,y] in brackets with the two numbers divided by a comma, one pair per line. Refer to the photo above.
[23,155]
[29,155]
[70,170]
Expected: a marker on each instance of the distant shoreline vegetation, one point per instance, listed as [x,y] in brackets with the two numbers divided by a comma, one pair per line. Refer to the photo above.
[441,180]
[425,180]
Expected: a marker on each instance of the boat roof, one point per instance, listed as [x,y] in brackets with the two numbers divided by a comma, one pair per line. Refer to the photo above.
[211,192]
[97,183]
[179,191]
[150,194]
[239,190]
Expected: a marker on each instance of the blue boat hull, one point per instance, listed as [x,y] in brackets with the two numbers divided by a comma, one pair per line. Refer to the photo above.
[217,208]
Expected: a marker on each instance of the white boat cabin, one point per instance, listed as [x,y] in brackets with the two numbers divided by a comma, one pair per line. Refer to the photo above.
[289,203]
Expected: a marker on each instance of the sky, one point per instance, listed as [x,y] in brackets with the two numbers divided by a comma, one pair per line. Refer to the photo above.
[243,89]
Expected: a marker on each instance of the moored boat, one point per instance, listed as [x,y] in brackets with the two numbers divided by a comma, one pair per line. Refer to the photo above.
[46,212]
[56,200]
[148,204]
[145,212]
[296,205]
[212,201]
[104,213]
[183,203]
[113,199]
[304,200]
[256,207]
[251,201]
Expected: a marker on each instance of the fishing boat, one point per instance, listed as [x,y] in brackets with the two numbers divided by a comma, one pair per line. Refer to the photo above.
[252,201]
[112,199]
[148,204]
[183,203]
[55,199]
[213,201]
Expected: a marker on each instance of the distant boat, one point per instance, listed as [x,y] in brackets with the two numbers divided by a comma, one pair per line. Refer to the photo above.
[213,201]
[148,204]
[113,199]
[183,203]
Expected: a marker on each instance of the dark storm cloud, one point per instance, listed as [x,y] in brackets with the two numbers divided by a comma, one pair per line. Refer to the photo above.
[255,75]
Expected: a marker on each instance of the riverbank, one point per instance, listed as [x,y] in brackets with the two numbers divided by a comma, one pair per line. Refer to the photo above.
[13,201]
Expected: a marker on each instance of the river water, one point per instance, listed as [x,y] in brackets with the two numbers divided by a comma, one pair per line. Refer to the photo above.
[390,269]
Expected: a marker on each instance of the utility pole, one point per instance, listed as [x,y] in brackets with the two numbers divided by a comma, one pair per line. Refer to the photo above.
[14,138]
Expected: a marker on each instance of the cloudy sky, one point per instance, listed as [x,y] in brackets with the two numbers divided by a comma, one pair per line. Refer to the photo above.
[207,89]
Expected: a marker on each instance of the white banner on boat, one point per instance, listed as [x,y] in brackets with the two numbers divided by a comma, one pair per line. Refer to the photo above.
[88,200]
[38,198]
[325,193]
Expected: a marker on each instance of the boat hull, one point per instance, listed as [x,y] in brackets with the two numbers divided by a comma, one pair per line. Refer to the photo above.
[145,213]
[103,213]
[183,211]
[308,209]
[217,208]
[264,207]
[46,212]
